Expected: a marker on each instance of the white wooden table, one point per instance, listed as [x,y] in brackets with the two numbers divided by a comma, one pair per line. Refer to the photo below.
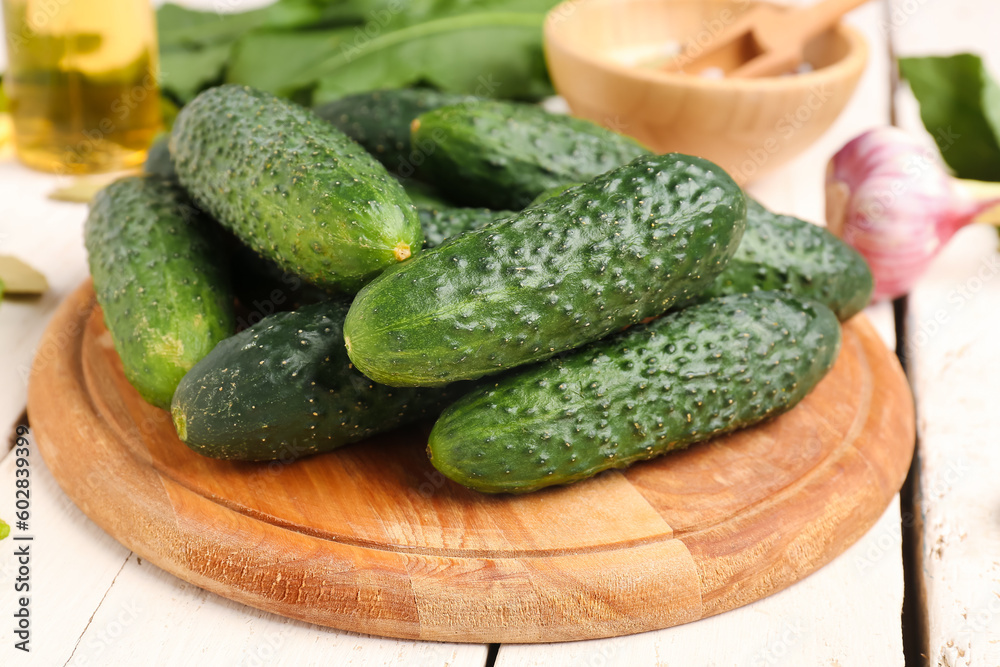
[95,603]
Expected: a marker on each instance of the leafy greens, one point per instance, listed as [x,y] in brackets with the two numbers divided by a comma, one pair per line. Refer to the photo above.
[960,107]
[317,50]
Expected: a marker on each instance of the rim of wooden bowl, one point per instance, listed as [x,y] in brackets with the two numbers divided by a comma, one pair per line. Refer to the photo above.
[851,65]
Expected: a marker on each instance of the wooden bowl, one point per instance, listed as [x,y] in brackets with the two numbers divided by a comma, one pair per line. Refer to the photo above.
[749,126]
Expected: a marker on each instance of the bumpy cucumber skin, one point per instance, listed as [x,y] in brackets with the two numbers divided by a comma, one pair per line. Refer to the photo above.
[502,155]
[780,252]
[582,265]
[552,192]
[696,373]
[380,121]
[292,187]
[157,272]
[284,388]
[443,222]
[158,161]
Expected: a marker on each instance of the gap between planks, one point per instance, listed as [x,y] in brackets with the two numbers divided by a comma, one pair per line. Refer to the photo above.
[97,609]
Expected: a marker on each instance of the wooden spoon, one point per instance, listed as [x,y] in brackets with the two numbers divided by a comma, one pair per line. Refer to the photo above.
[765,41]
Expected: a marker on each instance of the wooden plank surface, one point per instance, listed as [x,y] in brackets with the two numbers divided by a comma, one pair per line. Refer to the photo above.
[953,317]
[47,235]
[72,565]
[842,615]
[94,604]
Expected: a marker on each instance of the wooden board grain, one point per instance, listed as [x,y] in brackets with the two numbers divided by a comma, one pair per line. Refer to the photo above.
[952,316]
[371,539]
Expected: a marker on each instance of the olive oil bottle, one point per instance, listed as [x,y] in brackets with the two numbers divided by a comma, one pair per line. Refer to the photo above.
[82,83]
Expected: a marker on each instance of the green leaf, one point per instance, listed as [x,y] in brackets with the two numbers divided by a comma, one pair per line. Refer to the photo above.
[394,14]
[267,60]
[960,107]
[501,62]
[4,529]
[185,72]
[336,47]
[488,55]
[168,111]
[387,44]
[179,27]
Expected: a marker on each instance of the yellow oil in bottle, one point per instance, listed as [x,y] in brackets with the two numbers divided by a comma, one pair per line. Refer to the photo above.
[81,81]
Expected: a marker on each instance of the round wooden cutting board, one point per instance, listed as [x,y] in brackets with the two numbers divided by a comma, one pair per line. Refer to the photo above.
[371,539]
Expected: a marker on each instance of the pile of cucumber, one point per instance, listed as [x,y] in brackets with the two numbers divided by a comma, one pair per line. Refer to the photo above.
[560,300]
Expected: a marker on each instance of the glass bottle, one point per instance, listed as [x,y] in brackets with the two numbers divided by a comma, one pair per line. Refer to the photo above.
[81,80]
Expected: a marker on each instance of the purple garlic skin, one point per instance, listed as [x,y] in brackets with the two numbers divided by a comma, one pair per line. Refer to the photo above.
[889,197]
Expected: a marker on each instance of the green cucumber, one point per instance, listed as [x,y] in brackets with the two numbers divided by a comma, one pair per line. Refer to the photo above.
[155,261]
[380,121]
[292,187]
[443,222]
[158,161]
[780,252]
[502,155]
[284,388]
[552,192]
[703,371]
[582,265]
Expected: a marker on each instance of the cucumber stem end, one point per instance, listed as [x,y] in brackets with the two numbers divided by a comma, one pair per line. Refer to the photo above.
[180,424]
[401,251]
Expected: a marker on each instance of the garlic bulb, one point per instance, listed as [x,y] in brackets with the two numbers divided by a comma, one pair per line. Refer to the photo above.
[890,198]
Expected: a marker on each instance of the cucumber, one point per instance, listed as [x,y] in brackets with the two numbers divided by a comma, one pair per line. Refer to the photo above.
[552,192]
[582,265]
[710,369]
[380,121]
[292,187]
[502,155]
[284,388]
[158,161]
[443,222]
[165,293]
[780,252]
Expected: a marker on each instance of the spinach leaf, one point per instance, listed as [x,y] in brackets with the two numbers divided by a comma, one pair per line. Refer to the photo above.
[322,49]
[179,27]
[268,60]
[513,68]
[960,107]
[185,72]
[455,52]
